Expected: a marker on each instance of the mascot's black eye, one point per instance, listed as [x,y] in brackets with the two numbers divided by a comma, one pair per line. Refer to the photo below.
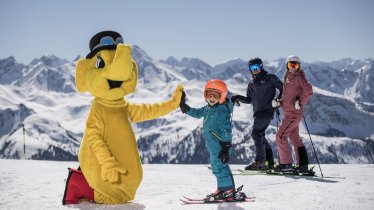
[99,62]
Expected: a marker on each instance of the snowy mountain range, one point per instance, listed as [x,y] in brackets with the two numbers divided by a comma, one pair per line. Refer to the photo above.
[42,98]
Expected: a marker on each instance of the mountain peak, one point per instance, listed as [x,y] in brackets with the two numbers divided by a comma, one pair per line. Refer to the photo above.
[50,60]
[6,62]
[77,58]
[230,67]
[194,63]
[139,54]
[171,61]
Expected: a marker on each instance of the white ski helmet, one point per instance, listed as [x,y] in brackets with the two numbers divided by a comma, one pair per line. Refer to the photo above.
[293,58]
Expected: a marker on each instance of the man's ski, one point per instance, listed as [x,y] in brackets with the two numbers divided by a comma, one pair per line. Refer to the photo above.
[251,172]
[294,172]
[311,174]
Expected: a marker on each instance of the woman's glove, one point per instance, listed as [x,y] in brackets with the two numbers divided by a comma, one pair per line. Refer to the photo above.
[297,104]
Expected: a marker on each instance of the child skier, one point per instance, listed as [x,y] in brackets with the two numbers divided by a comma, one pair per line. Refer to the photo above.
[296,93]
[218,136]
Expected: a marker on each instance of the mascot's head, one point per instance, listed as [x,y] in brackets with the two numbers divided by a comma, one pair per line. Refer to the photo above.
[108,72]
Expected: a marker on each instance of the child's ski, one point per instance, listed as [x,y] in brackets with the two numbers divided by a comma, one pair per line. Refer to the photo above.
[202,199]
[238,197]
[215,201]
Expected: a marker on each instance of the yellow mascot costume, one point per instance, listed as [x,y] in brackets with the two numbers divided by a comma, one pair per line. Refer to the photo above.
[110,167]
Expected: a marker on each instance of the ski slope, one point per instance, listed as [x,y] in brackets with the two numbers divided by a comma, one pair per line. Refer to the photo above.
[30,184]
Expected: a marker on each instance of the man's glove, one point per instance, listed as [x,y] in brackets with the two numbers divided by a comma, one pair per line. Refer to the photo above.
[297,104]
[183,106]
[275,103]
[235,100]
[224,154]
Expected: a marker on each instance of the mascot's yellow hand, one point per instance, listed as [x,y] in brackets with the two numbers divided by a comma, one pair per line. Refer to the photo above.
[177,96]
[111,174]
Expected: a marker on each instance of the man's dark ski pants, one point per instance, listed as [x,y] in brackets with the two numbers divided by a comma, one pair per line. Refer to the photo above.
[263,148]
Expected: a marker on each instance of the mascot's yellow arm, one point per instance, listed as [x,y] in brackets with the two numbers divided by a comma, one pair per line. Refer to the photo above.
[143,112]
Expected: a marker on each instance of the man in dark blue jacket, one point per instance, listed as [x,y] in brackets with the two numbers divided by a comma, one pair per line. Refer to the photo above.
[261,94]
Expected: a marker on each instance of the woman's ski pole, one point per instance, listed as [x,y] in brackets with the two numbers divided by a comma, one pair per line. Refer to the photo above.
[315,153]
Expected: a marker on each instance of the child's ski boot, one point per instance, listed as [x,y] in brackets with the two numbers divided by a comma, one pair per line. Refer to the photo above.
[220,195]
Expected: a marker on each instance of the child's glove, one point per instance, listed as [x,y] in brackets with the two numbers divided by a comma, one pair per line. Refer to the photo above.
[183,106]
[224,154]
[112,173]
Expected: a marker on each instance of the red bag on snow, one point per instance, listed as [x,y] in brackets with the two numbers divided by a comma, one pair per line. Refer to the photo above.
[77,188]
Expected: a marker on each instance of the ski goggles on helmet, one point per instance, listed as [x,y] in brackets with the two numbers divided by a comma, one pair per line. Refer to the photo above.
[255,67]
[293,64]
[108,40]
[212,93]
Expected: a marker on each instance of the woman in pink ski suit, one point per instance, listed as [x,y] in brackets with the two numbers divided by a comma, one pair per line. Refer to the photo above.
[296,93]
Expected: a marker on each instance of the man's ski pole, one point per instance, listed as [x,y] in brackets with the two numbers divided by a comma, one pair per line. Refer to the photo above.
[277,117]
[315,153]
[277,114]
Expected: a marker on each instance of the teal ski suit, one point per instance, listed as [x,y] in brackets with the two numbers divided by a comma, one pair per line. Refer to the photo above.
[217,118]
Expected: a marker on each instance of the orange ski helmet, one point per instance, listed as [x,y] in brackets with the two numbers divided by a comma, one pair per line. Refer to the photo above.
[216,85]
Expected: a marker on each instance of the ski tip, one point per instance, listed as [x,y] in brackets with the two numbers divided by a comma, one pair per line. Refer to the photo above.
[191,202]
[185,202]
[192,199]
[249,200]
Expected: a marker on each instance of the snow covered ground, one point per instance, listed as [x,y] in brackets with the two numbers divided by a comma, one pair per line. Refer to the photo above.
[30,184]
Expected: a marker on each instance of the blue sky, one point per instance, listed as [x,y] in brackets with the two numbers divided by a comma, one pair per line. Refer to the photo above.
[212,30]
